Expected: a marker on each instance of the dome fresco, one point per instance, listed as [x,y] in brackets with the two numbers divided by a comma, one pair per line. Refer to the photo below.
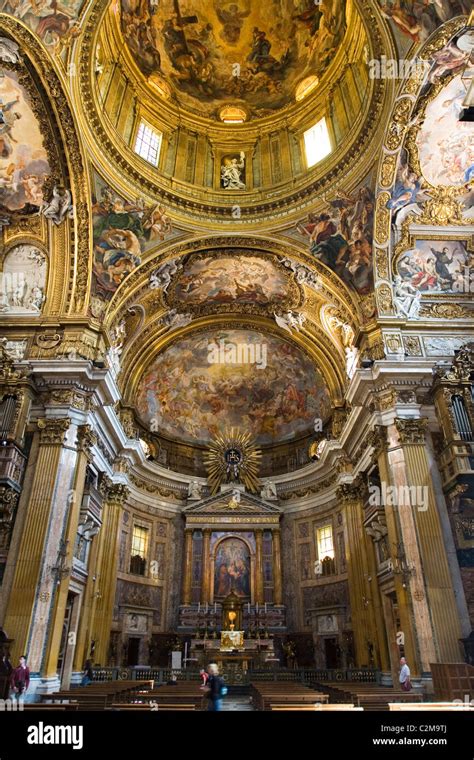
[216,51]
[246,378]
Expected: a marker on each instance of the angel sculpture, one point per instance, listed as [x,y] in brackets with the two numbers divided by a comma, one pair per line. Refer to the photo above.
[173,319]
[407,299]
[195,490]
[9,51]
[303,274]
[59,206]
[161,278]
[290,321]
[269,490]
[231,173]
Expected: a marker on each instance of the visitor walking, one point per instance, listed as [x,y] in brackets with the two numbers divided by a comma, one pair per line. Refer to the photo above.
[216,688]
[20,680]
[405,675]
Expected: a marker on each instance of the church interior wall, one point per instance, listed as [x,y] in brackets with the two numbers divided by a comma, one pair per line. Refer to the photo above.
[110,524]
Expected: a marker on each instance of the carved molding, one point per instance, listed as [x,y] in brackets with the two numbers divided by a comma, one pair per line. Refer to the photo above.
[53,431]
[411,430]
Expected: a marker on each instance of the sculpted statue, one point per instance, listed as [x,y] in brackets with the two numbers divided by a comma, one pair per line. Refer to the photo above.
[407,298]
[59,206]
[290,321]
[231,173]
[195,490]
[269,490]
[161,278]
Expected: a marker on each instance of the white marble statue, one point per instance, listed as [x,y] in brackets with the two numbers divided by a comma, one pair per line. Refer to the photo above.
[36,299]
[162,276]
[113,360]
[303,274]
[59,207]
[195,490]
[407,299]
[269,490]
[291,320]
[346,331]
[352,358]
[9,51]
[231,173]
[173,319]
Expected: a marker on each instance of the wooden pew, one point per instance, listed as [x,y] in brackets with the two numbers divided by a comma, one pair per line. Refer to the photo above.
[264,693]
[429,706]
[167,706]
[316,708]
[370,696]
[97,696]
[51,706]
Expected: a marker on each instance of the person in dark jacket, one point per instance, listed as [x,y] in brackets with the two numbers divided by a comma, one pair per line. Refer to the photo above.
[5,675]
[216,687]
[88,674]
[20,680]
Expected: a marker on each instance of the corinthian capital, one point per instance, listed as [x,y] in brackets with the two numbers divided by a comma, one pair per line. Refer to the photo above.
[86,439]
[412,430]
[377,438]
[113,493]
[53,431]
[350,492]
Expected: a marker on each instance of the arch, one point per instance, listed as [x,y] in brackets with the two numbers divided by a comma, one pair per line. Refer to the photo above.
[69,167]
[398,207]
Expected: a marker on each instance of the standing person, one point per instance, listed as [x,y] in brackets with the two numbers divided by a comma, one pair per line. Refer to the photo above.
[20,680]
[88,674]
[405,675]
[5,675]
[217,690]
[204,677]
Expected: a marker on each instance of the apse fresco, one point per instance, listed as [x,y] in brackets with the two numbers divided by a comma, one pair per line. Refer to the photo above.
[52,21]
[195,47]
[24,163]
[416,20]
[232,568]
[248,279]
[446,145]
[435,266]
[123,231]
[256,382]
[341,237]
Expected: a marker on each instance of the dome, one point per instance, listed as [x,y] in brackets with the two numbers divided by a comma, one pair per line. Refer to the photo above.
[210,53]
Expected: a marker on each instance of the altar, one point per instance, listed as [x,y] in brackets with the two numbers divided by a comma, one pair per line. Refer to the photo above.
[231,640]
[233,653]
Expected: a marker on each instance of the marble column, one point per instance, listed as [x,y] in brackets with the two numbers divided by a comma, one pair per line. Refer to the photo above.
[33,596]
[115,495]
[360,590]
[405,607]
[277,588]
[188,565]
[259,566]
[89,604]
[430,582]
[206,565]
[85,440]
